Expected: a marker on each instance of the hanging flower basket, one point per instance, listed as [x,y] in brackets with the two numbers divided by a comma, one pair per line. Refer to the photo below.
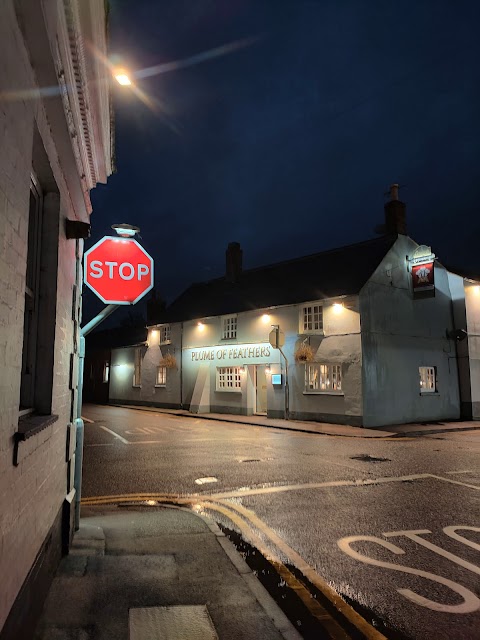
[169,361]
[304,353]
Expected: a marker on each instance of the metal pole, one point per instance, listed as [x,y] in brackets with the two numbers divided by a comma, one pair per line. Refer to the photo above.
[79,426]
[287,401]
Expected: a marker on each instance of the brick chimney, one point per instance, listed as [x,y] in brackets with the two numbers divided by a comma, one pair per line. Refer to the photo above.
[395,219]
[233,257]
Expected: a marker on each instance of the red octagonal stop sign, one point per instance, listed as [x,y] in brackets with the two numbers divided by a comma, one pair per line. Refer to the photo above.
[118,270]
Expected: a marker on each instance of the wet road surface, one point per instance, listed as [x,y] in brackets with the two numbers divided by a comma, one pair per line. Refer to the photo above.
[392,525]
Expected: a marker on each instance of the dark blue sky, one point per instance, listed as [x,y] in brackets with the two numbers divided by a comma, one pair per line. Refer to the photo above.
[288,145]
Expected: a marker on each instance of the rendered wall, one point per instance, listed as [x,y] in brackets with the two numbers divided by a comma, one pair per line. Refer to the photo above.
[472,302]
[400,334]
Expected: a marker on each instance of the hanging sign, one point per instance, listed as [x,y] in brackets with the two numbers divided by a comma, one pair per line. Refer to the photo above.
[422,267]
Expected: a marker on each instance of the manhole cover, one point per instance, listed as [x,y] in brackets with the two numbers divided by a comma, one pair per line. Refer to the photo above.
[364,457]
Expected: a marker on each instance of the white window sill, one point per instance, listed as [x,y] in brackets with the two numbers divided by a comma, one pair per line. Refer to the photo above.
[166,342]
[160,386]
[228,339]
[228,390]
[137,386]
[311,333]
[323,393]
[429,393]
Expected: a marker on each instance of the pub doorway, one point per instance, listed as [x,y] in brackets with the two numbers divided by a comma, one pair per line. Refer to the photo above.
[260,390]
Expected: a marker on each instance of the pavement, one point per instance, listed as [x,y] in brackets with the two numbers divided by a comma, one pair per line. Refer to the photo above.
[151,573]
[323,428]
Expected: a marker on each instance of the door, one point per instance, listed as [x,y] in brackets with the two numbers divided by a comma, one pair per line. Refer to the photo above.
[260,390]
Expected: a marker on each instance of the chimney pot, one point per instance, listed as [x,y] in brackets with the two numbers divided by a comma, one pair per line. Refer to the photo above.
[233,255]
[395,217]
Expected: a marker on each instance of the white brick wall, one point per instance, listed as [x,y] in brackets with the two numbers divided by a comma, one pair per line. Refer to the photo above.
[32,493]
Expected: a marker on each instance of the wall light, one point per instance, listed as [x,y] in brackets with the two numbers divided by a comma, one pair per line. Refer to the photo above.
[268,368]
[476,289]
[338,308]
[243,368]
[265,318]
[201,326]
[153,337]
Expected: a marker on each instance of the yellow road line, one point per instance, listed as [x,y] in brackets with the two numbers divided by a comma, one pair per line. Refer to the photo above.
[227,508]
[309,572]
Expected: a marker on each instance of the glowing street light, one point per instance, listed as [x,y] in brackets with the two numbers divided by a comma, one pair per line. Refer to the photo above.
[122,78]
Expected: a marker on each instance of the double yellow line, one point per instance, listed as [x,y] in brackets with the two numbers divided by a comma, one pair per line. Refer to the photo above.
[267,542]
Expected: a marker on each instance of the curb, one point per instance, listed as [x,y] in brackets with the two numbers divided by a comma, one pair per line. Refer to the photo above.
[206,416]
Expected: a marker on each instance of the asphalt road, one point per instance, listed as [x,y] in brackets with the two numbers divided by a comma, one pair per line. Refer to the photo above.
[392,525]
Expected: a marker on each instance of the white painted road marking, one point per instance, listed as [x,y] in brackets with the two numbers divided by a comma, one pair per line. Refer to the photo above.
[115,435]
[452,532]
[206,480]
[416,537]
[470,601]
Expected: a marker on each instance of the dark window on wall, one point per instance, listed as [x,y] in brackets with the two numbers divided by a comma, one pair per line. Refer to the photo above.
[31,312]
[40,292]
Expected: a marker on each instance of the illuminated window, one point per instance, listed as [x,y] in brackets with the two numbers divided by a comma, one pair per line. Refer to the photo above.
[229,379]
[165,334]
[106,371]
[323,377]
[428,379]
[137,371]
[161,380]
[229,326]
[311,320]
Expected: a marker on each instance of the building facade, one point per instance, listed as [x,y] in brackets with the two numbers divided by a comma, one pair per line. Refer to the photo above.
[56,144]
[371,334]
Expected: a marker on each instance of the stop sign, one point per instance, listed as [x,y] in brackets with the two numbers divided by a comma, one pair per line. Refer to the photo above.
[118,270]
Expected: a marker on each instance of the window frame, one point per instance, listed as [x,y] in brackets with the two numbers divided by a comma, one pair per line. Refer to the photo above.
[312,309]
[106,372]
[331,372]
[165,334]
[428,372]
[158,383]
[229,326]
[222,380]
[137,368]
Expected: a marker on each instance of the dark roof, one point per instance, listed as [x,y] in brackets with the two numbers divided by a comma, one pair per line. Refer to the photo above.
[464,273]
[332,273]
[115,337]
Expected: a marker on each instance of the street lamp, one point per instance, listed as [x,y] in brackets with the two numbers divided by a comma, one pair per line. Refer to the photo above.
[126,230]
[122,77]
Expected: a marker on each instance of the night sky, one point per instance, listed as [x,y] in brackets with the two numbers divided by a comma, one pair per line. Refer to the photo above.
[288,142]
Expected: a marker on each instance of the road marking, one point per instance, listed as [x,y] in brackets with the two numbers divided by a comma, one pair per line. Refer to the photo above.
[463,484]
[470,601]
[206,480]
[115,435]
[100,444]
[318,485]
[314,607]
[452,533]
[451,473]
[416,537]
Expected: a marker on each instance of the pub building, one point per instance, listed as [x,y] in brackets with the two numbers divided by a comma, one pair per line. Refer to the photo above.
[370,334]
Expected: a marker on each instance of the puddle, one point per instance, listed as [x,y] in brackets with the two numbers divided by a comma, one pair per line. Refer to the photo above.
[365,457]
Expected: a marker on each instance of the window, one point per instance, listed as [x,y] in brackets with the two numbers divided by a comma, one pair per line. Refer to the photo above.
[106,371]
[165,334]
[161,380]
[229,379]
[32,286]
[428,379]
[311,319]
[229,326]
[323,377]
[137,371]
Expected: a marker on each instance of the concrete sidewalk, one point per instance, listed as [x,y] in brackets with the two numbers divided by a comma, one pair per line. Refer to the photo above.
[322,428]
[142,574]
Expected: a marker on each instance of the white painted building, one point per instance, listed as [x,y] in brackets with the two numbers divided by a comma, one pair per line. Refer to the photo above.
[371,338]
[55,141]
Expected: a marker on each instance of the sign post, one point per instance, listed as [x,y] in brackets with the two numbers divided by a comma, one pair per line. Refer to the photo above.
[119,271]
[276,337]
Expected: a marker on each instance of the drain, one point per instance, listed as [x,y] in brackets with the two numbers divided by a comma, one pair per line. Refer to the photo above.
[251,460]
[365,457]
